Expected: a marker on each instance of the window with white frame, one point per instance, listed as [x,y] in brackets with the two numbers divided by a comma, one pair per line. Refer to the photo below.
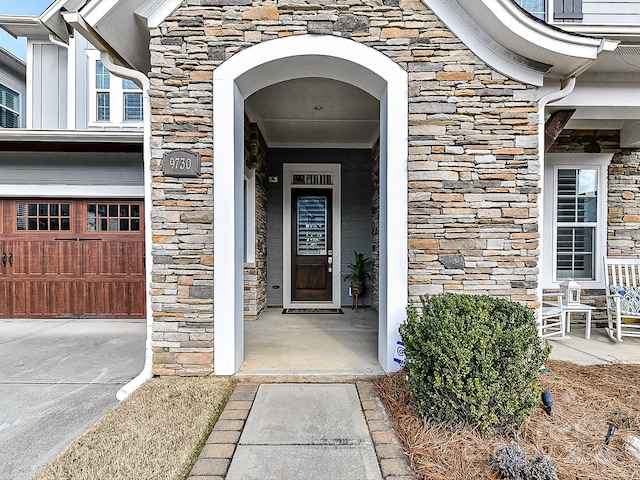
[112,99]
[132,101]
[103,95]
[9,108]
[534,7]
[575,218]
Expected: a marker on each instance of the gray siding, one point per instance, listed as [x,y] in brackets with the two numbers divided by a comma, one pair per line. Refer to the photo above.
[71,168]
[611,11]
[49,86]
[356,193]
[18,84]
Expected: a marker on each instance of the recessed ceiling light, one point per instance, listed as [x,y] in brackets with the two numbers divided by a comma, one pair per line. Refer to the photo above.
[318,107]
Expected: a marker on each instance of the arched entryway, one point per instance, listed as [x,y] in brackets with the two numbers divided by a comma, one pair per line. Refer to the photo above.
[269,63]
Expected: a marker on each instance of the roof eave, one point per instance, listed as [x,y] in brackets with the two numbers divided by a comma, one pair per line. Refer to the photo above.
[515,43]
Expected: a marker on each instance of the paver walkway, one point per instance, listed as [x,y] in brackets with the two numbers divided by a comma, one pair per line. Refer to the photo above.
[303,431]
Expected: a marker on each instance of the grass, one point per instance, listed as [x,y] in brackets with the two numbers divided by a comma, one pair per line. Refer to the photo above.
[586,398]
[156,433]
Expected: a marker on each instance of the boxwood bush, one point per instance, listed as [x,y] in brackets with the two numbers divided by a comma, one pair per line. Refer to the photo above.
[473,360]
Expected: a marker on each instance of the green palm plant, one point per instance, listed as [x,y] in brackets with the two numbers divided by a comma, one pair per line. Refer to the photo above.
[359,271]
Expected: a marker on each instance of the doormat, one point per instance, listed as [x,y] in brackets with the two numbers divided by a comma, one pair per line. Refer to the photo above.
[312,310]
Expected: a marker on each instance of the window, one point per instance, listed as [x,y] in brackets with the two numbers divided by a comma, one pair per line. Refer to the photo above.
[575,214]
[132,101]
[113,217]
[43,216]
[103,96]
[534,7]
[9,108]
[576,222]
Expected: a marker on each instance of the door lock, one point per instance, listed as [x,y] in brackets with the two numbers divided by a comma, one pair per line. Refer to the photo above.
[11,259]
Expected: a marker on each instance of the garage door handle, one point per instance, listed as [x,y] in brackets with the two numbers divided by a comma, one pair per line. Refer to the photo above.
[11,259]
[4,259]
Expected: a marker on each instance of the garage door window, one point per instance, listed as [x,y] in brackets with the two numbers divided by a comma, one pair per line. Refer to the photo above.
[113,217]
[43,216]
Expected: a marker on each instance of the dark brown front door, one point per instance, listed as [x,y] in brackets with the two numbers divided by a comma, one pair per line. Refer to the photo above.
[72,258]
[311,245]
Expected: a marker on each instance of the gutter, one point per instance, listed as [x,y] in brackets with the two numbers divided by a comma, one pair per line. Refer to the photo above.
[142,81]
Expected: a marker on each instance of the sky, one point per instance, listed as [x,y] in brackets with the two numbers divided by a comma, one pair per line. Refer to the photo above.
[19,7]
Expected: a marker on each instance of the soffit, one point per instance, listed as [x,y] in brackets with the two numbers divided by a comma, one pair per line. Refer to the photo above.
[315,113]
[24,26]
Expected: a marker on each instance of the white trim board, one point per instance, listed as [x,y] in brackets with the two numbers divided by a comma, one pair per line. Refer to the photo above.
[289,170]
[299,57]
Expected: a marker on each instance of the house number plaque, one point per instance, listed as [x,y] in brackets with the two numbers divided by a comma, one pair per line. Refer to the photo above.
[181,163]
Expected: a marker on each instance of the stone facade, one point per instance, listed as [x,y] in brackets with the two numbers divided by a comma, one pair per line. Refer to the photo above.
[255,273]
[473,164]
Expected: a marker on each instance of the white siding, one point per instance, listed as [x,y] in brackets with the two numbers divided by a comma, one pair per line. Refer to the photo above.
[49,86]
[611,12]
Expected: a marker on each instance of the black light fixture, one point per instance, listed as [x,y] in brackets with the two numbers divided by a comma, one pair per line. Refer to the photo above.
[610,431]
[547,401]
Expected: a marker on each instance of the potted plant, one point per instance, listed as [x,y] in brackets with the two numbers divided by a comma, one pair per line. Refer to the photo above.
[358,272]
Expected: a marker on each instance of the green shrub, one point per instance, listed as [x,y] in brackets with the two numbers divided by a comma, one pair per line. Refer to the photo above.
[473,360]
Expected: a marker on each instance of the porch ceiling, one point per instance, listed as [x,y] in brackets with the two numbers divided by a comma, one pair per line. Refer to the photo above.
[607,96]
[315,113]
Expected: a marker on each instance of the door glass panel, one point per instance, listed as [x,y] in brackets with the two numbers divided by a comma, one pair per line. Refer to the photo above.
[311,236]
[113,217]
[42,216]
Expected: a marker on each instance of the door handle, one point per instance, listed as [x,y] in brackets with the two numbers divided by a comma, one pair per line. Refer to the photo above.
[4,259]
[11,259]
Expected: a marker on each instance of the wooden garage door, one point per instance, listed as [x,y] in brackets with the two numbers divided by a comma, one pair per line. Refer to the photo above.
[72,258]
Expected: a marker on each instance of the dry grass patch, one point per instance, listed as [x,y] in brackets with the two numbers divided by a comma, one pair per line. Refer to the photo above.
[156,433]
[585,397]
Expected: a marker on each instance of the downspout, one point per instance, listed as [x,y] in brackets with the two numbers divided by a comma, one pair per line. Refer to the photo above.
[567,87]
[142,81]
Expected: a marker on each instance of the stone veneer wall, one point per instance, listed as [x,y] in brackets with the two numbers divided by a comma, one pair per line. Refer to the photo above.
[255,273]
[473,166]
[375,228]
[623,196]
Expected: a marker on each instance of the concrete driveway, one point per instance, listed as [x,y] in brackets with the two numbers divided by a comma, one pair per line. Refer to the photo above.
[57,378]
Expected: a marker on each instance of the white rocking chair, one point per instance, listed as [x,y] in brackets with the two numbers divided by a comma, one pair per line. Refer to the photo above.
[551,321]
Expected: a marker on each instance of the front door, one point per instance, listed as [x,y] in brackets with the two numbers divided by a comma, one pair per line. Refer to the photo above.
[311,245]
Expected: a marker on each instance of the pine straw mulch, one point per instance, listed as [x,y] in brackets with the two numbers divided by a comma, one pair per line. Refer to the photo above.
[585,399]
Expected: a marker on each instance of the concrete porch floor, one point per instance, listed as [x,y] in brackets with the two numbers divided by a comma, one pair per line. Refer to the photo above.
[340,347]
[311,347]
[600,349]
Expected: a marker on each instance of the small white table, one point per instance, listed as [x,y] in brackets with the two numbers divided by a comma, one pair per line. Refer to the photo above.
[579,308]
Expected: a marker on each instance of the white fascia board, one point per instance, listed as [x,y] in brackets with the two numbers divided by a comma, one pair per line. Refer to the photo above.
[154,12]
[72,191]
[96,10]
[516,44]
[602,95]
[507,16]
[75,136]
